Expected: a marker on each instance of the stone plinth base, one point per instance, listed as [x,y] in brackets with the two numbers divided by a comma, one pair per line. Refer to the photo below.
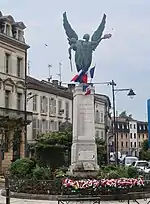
[84,149]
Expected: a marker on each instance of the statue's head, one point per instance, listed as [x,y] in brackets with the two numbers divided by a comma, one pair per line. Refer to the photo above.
[73,40]
[86,37]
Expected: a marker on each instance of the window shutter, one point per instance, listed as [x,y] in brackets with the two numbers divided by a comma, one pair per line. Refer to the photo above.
[41,103]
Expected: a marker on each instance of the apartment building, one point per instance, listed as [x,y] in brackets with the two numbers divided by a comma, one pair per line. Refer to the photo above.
[13,57]
[131,134]
[51,105]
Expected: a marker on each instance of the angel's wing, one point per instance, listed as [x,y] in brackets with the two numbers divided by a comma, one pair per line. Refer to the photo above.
[69,31]
[98,33]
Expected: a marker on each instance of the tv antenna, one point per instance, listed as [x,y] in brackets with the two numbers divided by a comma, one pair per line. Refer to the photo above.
[60,74]
[49,69]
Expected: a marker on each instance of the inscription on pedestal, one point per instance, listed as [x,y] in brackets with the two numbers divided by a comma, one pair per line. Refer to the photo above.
[86,155]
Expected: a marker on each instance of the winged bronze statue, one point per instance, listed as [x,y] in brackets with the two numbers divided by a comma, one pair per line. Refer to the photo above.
[84,48]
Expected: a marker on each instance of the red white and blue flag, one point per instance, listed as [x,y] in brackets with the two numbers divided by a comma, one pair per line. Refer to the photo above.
[82,77]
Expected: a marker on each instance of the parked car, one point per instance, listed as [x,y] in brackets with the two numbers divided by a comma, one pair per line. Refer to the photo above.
[128,161]
[142,165]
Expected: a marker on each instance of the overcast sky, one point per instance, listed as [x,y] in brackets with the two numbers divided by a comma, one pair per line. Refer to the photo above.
[124,58]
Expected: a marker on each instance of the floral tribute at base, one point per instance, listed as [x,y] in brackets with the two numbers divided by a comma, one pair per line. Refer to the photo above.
[89,186]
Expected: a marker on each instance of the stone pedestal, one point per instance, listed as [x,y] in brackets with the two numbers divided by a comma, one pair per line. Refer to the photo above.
[84,149]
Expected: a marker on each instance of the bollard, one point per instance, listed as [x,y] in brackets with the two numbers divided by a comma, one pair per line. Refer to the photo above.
[7,190]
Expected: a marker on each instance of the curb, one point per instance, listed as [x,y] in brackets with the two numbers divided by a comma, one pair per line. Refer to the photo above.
[130,196]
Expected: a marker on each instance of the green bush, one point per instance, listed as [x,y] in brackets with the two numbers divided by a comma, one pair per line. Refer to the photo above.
[41,173]
[22,168]
[112,171]
[132,172]
[113,174]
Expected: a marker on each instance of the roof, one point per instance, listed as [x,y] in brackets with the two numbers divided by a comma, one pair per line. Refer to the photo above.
[104,97]
[10,19]
[61,91]
[33,83]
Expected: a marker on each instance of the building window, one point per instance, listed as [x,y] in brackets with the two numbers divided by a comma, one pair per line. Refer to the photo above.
[131,144]
[126,144]
[19,66]
[126,136]
[34,128]
[121,144]
[123,126]
[134,144]
[139,136]
[7,29]
[143,136]
[35,103]
[134,135]
[134,126]
[102,117]
[55,126]
[67,109]
[139,144]
[19,101]
[7,97]
[97,134]
[97,117]
[131,135]
[47,128]
[102,135]
[130,126]
[19,35]
[44,104]
[7,63]
[121,136]
[52,106]
[60,107]
[6,145]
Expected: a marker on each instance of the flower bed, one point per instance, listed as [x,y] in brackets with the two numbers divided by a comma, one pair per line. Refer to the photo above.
[77,187]
[103,185]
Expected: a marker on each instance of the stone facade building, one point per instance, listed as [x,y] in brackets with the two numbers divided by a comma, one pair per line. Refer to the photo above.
[13,58]
[52,105]
[131,134]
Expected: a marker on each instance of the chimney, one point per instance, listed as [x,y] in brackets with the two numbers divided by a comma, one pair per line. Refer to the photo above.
[71,87]
[55,82]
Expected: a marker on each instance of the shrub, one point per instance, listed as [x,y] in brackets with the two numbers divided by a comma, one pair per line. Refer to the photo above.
[22,168]
[132,172]
[111,171]
[41,173]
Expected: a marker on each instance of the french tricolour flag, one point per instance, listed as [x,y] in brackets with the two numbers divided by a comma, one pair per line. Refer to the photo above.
[82,76]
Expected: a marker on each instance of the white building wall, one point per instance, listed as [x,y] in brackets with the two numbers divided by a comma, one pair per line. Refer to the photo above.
[133,137]
[99,106]
[47,116]
[100,120]
[14,52]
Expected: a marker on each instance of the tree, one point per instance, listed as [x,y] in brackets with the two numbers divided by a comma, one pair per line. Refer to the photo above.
[101,151]
[53,149]
[123,114]
[145,153]
[145,145]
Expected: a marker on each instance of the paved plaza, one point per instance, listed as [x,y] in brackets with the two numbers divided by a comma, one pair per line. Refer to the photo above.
[25,201]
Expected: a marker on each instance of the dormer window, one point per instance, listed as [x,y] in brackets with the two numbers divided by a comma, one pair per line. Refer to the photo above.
[20,35]
[7,29]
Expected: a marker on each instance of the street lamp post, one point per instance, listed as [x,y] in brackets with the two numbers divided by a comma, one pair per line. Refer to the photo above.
[131,94]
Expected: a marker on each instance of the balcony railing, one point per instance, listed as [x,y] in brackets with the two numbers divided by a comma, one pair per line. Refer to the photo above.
[15,114]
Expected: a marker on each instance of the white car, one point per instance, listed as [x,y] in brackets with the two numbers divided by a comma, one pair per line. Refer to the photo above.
[129,160]
[142,165]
